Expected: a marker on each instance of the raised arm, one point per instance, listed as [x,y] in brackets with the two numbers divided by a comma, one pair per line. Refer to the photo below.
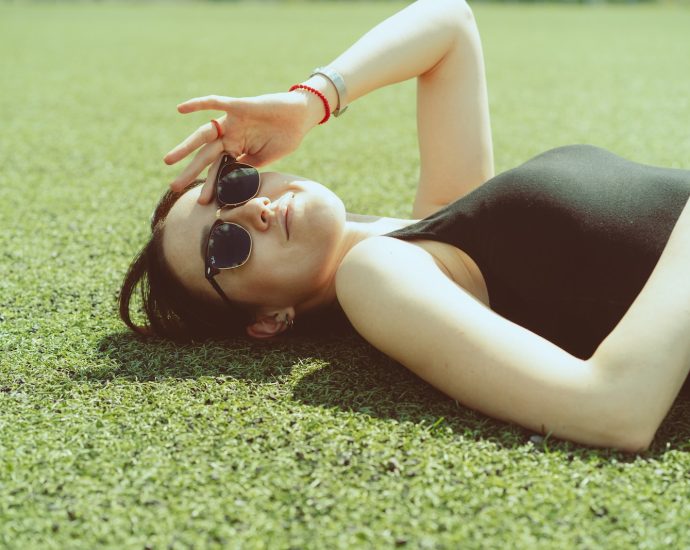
[438,42]
[435,40]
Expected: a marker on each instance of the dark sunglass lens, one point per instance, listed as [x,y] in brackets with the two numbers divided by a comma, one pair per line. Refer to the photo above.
[228,246]
[237,184]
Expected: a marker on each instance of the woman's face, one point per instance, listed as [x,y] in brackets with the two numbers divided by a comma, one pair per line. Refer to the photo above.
[291,266]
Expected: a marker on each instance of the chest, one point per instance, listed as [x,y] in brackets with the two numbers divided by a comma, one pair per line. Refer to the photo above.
[458,266]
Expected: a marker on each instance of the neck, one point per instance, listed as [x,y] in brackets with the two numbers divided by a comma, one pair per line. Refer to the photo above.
[358,227]
[373,226]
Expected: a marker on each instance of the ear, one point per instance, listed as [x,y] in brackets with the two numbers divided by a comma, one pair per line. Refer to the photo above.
[271,324]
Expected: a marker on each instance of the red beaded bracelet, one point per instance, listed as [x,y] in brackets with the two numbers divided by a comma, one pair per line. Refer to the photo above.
[322,97]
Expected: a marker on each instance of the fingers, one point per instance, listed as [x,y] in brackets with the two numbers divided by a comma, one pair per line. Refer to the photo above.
[204,134]
[205,156]
[209,102]
[265,155]
[256,161]
[207,189]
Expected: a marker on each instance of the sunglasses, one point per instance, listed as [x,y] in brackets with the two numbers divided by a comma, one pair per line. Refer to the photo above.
[229,245]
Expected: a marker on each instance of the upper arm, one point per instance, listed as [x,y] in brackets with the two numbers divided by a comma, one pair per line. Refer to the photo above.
[418,316]
[454,129]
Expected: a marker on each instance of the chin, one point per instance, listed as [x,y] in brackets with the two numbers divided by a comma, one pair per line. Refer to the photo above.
[324,209]
[328,217]
[325,214]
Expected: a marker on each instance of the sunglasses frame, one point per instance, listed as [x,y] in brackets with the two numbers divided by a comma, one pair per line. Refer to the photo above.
[211,271]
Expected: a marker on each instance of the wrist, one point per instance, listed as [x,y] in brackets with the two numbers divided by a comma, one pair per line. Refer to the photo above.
[315,109]
[337,81]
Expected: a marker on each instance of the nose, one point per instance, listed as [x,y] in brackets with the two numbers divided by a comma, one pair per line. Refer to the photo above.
[254,213]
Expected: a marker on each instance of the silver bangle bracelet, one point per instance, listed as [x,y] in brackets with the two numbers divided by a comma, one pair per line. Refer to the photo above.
[339,85]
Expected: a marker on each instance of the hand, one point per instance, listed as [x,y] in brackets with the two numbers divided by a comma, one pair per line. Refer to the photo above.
[256,130]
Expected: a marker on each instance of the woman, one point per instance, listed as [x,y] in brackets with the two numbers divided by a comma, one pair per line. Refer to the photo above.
[554,296]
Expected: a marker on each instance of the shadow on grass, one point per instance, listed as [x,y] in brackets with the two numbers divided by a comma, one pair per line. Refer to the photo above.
[344,372]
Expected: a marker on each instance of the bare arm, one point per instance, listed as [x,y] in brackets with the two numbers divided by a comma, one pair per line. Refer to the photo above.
[425,321]
[438,42]
[649,350]
[435,40]
[617,398]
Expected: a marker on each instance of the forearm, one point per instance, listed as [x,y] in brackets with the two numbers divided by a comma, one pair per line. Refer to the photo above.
[407,44]
[649,350]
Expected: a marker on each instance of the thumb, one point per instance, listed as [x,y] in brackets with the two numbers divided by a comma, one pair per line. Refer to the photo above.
[271,151]
[258,159]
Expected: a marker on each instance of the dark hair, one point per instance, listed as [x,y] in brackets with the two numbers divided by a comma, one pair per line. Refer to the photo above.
[172,311]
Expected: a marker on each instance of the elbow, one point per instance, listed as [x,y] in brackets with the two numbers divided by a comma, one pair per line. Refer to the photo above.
[633,442]
[614,436]
[462,11]
[465,10]
[627,417]
[453,24]
[460,7]
[456,11]
[630,437]
[620,425]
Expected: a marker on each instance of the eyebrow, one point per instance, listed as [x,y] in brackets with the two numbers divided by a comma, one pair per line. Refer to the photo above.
[204,238]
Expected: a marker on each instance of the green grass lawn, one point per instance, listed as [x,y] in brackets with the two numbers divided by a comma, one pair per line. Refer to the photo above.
[108,441]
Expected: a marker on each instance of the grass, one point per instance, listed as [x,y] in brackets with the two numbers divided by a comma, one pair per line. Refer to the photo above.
[107,441]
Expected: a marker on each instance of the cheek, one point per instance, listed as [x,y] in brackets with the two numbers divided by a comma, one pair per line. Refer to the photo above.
[278,270]
[324,215]
[286,271]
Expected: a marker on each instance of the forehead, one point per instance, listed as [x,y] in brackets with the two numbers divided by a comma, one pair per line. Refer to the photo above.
[184,236]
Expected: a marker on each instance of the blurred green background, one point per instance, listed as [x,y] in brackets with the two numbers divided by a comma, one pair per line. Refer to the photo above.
[106,441]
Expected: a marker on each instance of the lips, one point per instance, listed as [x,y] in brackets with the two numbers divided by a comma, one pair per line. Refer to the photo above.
[288,214]
[283,209]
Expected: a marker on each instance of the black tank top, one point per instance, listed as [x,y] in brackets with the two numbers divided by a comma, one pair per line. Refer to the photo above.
[566,241]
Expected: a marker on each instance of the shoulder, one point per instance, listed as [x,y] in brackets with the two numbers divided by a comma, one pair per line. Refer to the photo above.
[378,259]
[399,299]
[388,288]
[374,250]
[376,272]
